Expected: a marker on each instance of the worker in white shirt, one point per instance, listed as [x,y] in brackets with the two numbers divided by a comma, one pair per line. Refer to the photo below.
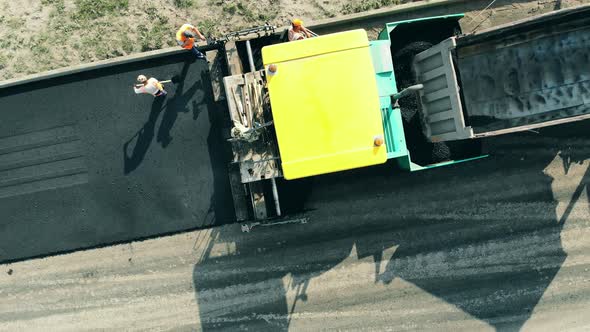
[297,31]
[151,86]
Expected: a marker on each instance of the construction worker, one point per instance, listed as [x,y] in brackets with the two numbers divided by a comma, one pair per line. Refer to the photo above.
[297,31]
[185,37]
[151,86]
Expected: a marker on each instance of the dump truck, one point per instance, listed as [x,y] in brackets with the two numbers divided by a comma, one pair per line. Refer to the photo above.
[423,94]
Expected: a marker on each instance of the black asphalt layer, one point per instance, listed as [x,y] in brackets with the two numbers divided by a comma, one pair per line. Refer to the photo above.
[84,161]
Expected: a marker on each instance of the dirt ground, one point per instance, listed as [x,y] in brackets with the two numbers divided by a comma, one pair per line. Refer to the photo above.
[37,36]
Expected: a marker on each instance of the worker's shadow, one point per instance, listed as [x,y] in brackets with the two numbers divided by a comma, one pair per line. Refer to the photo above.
[144,136]
[179,103]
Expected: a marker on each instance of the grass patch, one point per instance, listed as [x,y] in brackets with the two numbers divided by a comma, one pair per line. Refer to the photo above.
[208,27]
[15,23]
[39,47]
[93,9]
[3,62]
[154,38]
[257,12]
[96,45]
[20,68]
[59,8]
[183,3]
[245,11]
[230,8]
[156,35]
[152,13]
[361,6]
[323,10]
[127,46]
[65,28]
[8,43]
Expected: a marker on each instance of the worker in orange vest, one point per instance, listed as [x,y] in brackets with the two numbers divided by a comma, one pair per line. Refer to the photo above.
[185,37]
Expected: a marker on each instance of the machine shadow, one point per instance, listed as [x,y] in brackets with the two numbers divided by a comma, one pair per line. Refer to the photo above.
[221,210]
[491,268]
[482,237]
[251,308]
[520,256]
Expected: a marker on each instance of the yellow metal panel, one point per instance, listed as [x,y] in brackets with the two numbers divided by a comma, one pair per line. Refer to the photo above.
[326,109]
[314,46]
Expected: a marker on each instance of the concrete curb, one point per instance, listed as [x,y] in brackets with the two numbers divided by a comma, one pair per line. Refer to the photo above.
[378,13]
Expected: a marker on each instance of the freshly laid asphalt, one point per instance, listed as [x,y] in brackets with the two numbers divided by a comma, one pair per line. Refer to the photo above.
[84,161]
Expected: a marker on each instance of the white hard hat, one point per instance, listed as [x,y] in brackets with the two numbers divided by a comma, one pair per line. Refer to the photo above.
[141,78]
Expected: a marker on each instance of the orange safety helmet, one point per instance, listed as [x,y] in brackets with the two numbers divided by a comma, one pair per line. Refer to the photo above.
[297,22]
